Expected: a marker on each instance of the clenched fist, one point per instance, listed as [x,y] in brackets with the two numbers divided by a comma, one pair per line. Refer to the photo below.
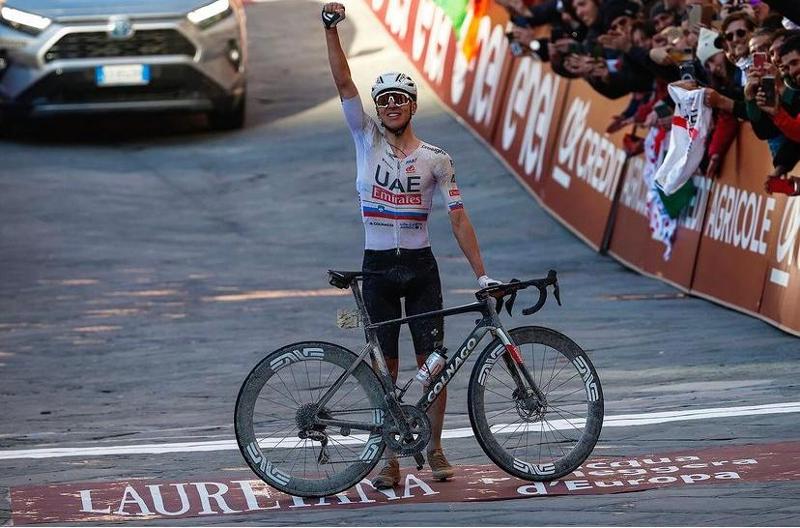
[332,14]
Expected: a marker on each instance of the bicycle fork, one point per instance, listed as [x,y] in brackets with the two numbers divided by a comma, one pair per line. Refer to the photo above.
[530,392]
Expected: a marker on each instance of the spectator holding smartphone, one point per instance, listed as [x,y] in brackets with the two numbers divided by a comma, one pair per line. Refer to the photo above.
[737,30]
[780,101]
[720,75]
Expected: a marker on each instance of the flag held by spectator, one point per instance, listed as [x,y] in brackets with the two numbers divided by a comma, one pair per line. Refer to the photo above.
[465,16]
[691,126]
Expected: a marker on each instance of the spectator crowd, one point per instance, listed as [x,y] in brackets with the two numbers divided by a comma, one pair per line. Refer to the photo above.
[743,54]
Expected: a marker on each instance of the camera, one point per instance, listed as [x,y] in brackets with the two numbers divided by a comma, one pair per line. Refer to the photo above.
[688,72]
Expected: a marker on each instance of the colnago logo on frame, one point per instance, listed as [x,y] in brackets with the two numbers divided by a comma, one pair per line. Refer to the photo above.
[452,368]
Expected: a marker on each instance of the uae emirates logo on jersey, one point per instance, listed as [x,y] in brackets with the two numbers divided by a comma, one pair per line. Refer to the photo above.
[383,195]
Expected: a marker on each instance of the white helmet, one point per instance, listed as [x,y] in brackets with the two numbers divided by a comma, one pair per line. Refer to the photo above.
[394,81]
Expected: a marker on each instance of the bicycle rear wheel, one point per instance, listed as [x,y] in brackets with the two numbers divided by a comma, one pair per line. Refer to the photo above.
[529,442]
[275,420]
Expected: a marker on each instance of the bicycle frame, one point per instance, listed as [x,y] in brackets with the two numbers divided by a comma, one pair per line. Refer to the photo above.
[489,323]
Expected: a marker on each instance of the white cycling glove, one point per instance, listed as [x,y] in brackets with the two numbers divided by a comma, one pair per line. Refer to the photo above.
[332,14]
[484,281]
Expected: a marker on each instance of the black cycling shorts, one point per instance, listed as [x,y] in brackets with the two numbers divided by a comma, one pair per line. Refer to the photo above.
[411,275]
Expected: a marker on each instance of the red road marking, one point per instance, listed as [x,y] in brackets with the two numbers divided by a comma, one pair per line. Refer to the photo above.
[233,494]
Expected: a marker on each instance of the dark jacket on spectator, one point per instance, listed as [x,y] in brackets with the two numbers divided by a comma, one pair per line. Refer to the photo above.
[629,77]
[788,8]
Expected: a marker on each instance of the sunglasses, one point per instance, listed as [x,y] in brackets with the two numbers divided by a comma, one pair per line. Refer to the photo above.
[619,24]
[387,98]
[740,33]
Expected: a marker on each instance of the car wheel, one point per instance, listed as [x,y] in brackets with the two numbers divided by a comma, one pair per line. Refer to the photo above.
[229,115]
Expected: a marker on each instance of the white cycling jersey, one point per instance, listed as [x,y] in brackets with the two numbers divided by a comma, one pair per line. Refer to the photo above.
[396,194]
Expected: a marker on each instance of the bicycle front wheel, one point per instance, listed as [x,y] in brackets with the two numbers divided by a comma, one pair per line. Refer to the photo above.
[277,420]
[530,441]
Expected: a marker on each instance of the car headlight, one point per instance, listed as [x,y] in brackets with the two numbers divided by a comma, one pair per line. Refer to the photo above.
[210,14]
[23,21]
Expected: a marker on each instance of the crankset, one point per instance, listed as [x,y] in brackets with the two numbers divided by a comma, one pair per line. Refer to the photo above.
[417,438]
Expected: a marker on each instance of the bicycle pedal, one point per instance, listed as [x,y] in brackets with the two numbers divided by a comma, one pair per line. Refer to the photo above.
[348,318]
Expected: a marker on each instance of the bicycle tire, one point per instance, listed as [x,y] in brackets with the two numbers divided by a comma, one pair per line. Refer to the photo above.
[503,442]
[282,384]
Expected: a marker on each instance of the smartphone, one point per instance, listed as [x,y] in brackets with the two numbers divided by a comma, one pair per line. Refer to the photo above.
[556,34]
[597,51]
[695,14]
[662,110]
[759,59]
[574,49]
[768,87]
[688,73]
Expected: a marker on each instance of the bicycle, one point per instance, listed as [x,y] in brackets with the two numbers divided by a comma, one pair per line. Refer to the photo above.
[313,418]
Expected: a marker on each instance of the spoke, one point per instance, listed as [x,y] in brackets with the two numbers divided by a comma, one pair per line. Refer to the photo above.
[511,434]
[288,390]
[566,364]
[261,396]
[565,437]
[503,396]
[565,382]
[541,370]
[273,435]
[294,379]
[570,422]
[557,409]
[491,375]
[557,443]
[533,359]
[552,372]
[326,383]
[308,378]
[499,413]
[260,413]
[579,389]
[521,436]
[346,394]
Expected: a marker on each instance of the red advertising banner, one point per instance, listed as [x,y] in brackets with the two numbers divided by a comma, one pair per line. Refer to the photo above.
[732,262]
[587,164]
[781,299]
[529,121]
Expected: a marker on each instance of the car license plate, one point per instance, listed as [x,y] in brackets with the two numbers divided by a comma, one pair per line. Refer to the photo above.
[123,75]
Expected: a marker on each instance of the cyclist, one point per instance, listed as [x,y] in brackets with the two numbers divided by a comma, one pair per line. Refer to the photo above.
[397,175]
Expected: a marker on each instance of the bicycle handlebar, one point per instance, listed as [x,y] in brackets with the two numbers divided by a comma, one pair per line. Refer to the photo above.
[510,289]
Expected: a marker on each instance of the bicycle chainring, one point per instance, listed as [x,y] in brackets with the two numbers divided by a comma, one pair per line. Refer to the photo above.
[420,427]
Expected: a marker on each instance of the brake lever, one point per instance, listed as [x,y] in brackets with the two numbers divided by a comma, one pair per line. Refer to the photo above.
[510,303]
[499,304]
[552,276]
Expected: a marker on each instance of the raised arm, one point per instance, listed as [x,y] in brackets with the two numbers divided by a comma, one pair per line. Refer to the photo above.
[332,14]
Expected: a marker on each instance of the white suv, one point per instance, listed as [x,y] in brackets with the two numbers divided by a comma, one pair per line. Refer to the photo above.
[84,56]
